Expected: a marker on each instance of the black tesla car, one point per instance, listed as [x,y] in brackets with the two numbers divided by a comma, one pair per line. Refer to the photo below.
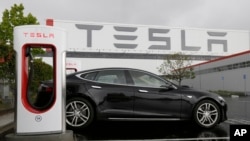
[127,94]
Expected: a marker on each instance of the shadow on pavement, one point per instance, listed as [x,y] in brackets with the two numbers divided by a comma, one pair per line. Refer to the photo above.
[147,130]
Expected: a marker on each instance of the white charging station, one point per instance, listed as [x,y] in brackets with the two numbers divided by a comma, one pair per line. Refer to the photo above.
[31,119]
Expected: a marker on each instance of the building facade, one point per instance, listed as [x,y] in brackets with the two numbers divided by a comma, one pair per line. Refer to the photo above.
[222,57]
[230,73]
[97,45]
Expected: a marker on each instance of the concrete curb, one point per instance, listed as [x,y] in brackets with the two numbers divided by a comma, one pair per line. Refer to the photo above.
[235,96]
[6,111]
[6,129]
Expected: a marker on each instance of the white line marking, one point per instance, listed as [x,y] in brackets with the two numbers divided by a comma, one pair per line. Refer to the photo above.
[182,139]
[237,121]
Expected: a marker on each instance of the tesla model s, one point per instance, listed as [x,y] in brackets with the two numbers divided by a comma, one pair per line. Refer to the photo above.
[125,94]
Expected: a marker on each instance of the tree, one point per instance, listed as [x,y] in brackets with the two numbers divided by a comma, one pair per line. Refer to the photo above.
[11,18]
[42,71]
[177,67]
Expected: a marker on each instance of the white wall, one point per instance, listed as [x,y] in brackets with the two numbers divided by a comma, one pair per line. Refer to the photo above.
[147,64]
[230,80]
[103,37]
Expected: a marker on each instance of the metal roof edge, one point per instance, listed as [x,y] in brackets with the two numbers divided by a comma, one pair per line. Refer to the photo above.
[222,58]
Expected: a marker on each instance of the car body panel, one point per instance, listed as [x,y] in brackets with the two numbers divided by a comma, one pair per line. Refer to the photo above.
[112,100]
[156,102]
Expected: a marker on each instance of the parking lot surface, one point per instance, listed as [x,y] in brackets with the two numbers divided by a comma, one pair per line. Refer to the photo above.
[238,113]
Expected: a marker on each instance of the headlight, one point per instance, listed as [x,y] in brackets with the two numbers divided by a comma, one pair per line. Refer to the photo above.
[221,98]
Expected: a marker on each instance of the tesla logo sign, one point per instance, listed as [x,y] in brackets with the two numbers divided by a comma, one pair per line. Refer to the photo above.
[127,37]
[39,35]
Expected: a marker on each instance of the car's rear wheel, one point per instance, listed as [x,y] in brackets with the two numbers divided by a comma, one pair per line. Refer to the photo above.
[207,114]
[79,113]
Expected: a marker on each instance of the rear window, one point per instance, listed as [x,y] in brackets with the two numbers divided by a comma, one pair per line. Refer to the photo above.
[111,76]
[89,76]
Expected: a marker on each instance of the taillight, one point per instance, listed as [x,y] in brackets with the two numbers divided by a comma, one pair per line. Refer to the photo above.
[49,89]
[45,88]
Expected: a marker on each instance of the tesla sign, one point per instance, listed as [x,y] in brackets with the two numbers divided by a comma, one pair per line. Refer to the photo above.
[38,35]
[136,38]
[166,41]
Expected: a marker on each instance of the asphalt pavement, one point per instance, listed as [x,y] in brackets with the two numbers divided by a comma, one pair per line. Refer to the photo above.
[238,113]
[238,108]
[6,122]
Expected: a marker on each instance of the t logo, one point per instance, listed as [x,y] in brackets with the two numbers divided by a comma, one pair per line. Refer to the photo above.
[240,132]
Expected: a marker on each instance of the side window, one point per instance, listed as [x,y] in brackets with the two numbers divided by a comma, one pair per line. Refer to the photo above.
[146,80]
[88,76]
[111,76]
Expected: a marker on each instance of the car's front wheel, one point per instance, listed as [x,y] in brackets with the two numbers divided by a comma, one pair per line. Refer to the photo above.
[207,114]
[79,113]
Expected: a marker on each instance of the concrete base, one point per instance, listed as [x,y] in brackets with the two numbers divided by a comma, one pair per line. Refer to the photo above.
[67,136]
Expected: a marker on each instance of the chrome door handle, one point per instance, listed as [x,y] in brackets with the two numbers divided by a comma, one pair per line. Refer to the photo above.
[96,87]
[143,91]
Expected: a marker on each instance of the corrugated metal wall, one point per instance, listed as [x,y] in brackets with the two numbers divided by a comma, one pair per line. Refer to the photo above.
[231,73]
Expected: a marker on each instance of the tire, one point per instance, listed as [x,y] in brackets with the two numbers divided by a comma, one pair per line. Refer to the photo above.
[79,113]
[207,114]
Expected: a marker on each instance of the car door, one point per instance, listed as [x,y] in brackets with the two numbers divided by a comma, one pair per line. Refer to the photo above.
[112,94]
[154,97]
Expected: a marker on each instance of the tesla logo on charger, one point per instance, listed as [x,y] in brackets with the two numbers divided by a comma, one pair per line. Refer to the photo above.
[39,35]
[38,118]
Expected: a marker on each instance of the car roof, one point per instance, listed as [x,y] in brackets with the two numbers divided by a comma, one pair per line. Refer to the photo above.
[115,68]
[108,68]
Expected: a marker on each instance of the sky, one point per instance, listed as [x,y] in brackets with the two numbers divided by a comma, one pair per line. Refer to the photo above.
[210,14]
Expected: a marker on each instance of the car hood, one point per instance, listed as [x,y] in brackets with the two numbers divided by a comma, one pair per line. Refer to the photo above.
[198,94]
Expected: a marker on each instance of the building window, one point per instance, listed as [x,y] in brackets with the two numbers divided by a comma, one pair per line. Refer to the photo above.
[224,68]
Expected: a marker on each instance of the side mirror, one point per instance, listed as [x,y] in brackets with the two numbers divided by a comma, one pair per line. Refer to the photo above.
[169,87]
[172,87]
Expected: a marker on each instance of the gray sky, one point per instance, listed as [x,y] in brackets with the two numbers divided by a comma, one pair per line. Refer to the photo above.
[215,14]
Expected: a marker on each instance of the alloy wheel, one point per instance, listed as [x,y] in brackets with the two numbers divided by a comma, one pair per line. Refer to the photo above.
[77,113]
[207,114]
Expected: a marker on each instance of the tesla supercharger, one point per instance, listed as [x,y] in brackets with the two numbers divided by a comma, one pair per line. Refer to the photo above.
[39,113]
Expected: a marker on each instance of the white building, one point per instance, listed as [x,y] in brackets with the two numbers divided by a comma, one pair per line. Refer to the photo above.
[222,57]
[96,45]
[231,73]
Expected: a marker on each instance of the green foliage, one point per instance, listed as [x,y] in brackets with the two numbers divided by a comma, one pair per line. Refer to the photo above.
[228,93]
[177,67]
[4,49]
[37,51]
[42,71]
[11,18]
